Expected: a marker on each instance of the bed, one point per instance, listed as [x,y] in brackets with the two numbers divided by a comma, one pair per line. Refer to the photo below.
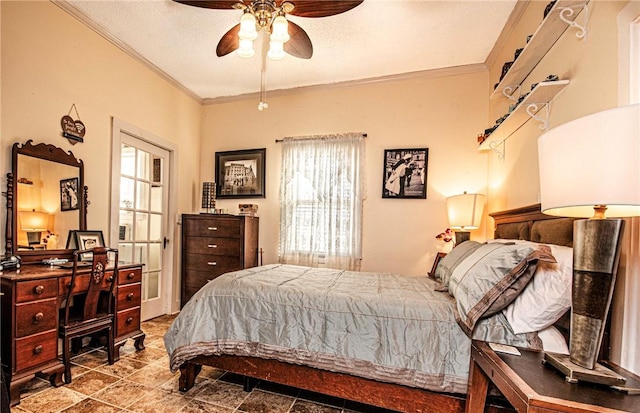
[387,340]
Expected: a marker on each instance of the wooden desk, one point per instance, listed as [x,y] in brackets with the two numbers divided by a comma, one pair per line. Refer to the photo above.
[30,317]
[531,386]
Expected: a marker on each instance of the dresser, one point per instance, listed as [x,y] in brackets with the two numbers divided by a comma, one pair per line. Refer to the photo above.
[213,245]
[30,315]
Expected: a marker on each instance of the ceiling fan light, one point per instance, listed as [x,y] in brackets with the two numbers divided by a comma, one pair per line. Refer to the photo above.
[246,48]
[248,27]
[276,50]
[280,29]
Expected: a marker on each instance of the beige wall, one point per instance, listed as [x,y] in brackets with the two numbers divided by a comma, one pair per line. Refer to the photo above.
[439,113]
[50,61]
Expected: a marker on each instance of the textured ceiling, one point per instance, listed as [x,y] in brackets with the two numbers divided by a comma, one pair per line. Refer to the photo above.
[376,39]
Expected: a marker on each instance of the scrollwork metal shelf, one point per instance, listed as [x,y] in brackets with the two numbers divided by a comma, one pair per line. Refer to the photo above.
[540,98]
[562,15]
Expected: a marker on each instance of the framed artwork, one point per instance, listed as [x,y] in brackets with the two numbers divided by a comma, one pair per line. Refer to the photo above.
[240,174]
[85,240]
[405,173]
[69,194]
[439,256]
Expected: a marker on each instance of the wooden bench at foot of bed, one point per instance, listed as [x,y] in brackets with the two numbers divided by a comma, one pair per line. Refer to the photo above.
[387,395]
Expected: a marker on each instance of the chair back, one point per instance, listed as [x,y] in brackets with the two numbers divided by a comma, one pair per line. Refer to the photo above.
[96,288]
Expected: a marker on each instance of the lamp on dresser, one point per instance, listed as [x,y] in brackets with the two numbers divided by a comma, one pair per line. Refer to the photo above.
[465,213]
[590,168]
[33,223]
[208,196]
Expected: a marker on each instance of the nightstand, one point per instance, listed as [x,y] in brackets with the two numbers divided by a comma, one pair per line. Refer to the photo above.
[531,386]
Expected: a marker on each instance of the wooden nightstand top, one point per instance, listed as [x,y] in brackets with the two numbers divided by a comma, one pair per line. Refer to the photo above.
[531,386]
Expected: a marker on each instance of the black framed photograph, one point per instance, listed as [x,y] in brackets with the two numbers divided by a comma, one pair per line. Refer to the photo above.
[69,194]
[87,240]
[240,174]
[405,173]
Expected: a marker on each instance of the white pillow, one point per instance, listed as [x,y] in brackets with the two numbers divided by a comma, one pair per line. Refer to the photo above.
[547,297]
[553,341]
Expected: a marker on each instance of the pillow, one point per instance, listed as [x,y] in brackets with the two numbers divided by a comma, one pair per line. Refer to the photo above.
[547,297]
[449,262]
[491,277]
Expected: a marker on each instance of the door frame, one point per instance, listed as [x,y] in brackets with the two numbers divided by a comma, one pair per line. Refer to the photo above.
[119,126]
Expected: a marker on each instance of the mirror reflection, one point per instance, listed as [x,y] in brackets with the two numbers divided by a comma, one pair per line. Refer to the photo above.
[47,202]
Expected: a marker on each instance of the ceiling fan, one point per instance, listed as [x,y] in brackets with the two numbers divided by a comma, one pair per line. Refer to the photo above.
[270,16]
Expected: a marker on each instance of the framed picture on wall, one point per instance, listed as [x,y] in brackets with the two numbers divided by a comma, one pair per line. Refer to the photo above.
[405,173]
[69,194]
[240,174]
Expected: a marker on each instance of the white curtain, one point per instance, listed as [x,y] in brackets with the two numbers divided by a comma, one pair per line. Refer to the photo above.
[322,189]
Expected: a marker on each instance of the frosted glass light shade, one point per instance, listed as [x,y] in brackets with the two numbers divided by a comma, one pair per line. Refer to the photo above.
[246,48]
[280,30]
[276,50]
[248,29]
[465,211]
[593,160]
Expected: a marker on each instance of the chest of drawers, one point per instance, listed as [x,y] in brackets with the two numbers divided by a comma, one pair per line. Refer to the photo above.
[213,245]
[30,316]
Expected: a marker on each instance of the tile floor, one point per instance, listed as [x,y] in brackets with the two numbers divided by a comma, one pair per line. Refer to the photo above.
[141,382]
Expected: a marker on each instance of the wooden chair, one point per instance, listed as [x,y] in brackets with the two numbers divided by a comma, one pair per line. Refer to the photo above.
[93,311]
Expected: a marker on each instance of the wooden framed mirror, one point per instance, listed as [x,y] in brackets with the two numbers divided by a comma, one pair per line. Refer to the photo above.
[46,199]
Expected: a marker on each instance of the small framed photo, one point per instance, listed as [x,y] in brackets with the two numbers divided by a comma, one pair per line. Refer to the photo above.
[69,200]
[86,240]
[405,173]
[439,256]
[240,174]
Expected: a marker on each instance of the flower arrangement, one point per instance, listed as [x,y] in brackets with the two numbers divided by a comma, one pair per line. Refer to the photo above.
[446,236]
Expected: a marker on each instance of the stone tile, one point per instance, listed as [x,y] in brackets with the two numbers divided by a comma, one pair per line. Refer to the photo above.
[260,401]
[51,400]
[221,393]
[304,406]
[122,393]
[152,375]
[35,385]
[148,355]
[91,382]
[91,406]
[124,367]
[158,401]
[91,359]
[197,406]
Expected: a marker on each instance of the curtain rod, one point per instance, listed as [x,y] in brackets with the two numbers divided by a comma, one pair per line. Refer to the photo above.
[364,135]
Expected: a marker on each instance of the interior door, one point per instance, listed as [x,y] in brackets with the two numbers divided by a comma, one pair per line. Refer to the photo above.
[140,204]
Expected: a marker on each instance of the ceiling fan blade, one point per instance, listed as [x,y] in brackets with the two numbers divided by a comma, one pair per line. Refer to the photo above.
[322,8]
[229,42]
[299,44]
[210,4]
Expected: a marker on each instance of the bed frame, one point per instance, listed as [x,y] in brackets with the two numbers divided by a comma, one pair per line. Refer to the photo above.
[523,223]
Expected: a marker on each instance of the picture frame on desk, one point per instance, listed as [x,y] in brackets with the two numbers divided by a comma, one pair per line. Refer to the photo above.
[83,240]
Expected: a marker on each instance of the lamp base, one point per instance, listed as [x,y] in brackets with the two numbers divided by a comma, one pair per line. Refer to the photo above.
[462,236]
[574,373]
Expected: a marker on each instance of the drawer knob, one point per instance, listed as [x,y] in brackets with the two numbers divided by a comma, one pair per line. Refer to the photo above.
[130,296]
[129,320]
[212,228]
[212,263]
[37,317]
[37,349]
[38,289]
[130,276]
[110,279]
[212,246]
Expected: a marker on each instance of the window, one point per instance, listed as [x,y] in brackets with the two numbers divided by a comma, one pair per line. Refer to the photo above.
[321,192]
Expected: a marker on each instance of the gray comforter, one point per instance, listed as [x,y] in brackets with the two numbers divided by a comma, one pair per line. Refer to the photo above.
[387,327]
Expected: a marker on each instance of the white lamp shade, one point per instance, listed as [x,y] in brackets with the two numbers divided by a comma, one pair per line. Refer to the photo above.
[593,160]
[31,221]
[465,211]
[248,27]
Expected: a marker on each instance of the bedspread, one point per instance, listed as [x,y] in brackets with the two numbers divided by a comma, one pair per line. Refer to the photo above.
[379,326]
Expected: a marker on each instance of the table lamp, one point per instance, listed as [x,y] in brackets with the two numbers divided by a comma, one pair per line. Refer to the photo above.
[33,223]
[208,196]
[590,168]
[465,213]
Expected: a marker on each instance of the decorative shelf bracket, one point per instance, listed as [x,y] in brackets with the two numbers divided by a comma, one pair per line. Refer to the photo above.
[533,109]
[510,91]
[567,12]
[499,148]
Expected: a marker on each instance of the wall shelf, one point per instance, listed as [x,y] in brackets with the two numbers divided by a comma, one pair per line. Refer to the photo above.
[539,98]
[561,16]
